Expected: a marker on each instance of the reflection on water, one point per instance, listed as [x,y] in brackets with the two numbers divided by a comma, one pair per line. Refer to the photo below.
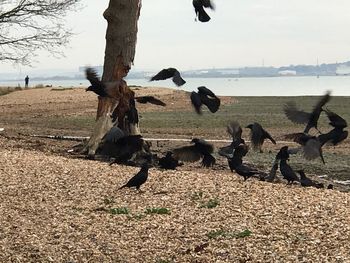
[276,86]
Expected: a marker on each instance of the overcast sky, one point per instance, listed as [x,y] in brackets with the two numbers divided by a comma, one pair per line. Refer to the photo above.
[241,33]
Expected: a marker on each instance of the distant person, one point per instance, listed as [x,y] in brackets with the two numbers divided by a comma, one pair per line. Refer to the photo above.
[26,80]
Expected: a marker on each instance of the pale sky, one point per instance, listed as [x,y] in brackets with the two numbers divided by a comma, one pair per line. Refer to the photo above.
[240,33]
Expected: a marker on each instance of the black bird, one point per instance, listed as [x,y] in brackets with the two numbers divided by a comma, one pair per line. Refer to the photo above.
[199,6]
[285,169]
[236,163]
[149,99]
[170,73]
[207,97]
[330,186]
[97,85]
[308,118]
[337,134]
[139,179]
[124,148]
[272,174]
[311,146]
[305,181]
[258,135]
[114,134]
[193,153]
[244,170]
[168,162]
[235,130]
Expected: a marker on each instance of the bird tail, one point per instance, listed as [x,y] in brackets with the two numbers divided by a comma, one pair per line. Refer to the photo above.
[203,16]
[208,160]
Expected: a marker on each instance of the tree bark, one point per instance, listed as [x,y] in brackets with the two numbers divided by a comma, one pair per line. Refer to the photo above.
[122,17]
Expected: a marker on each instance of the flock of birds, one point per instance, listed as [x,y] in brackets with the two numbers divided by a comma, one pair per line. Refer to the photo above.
[133,149]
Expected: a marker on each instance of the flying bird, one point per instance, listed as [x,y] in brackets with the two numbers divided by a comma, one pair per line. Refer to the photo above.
[206,97]
[139,179]
[199,149]
[258,135]
[336,135]
[149,99]
[170,73]
[97,85]
[199,6]
[235,130]
[308,118]
[310,145]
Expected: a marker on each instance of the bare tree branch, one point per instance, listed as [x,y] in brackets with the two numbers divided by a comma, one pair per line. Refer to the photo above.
[28,26]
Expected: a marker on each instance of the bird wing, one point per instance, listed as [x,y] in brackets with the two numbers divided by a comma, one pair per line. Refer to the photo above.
[114,134]
[295,115]
[324,99]
[196,102]
[208,160]
[313,150]
[335,119]
[163,74]
[299,137]
[208,4]
[205,91]
[235,130]
[150,99]
[213,104]
[256,135]
[187,154]
[177,79]
[268,136]
[204,147]
[91,76]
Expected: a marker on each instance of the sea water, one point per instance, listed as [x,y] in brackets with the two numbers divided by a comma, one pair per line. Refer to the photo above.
[263,86]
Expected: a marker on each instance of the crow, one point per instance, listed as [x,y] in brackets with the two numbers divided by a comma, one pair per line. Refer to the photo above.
[149,99]
[272,174]
[168,162]
[199,6]
[234,129]
[114,134]
[336,135]
[244,170]
[311,146]
[305,181]
[308,118]
[193,153]
[236,163]
[139,179]
[330,187]
[124,148]
[170,73]
[287,172]
[258,135]
[97,85]
[206,97]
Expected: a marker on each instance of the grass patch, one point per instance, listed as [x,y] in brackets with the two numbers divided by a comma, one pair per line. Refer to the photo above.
[8,90]
[160,211]
[119,211]
[226,234]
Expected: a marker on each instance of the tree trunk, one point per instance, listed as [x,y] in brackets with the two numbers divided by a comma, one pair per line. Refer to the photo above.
[122,17]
